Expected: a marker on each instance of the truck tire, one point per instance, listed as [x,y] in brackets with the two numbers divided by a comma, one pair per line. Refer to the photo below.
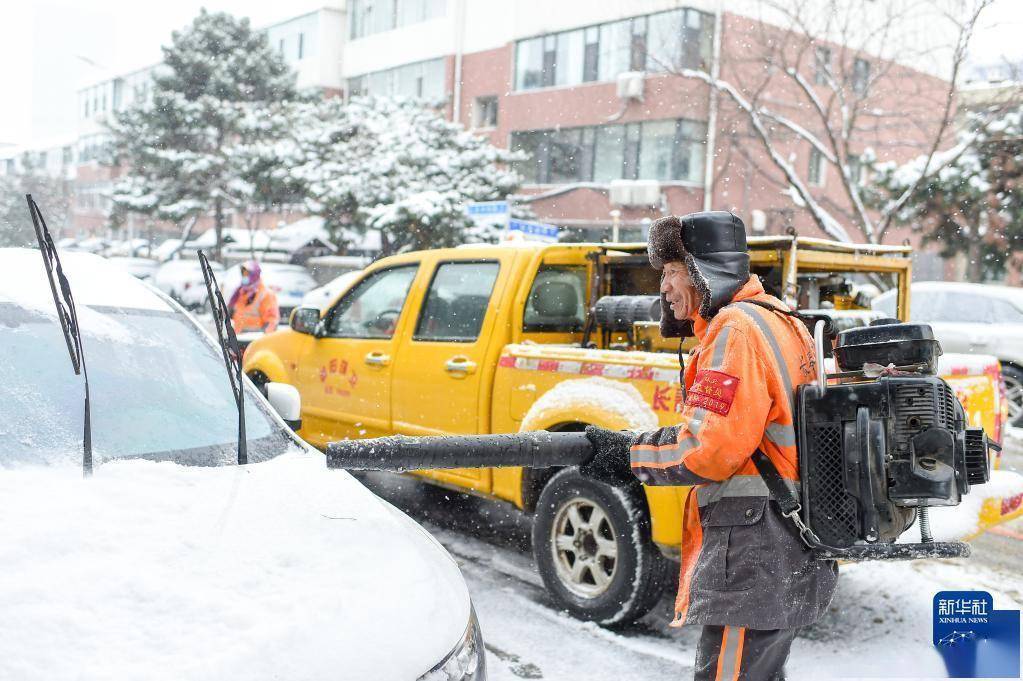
[592,548]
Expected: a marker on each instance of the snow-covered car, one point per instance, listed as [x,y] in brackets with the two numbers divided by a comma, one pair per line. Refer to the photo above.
[171,561]
[142,268]
[323,296]
[182,280]
[289,282]
[973,318]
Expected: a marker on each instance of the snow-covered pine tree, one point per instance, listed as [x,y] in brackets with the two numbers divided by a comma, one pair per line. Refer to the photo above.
[53,194]
[973,205]
[398,167]
[194,149]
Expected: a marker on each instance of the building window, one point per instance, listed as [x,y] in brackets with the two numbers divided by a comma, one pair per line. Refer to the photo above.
[860,76]
[422,80]
[821,65]
[667,150]
[661,42]
[591,53]
[301,44]
[609,154]
[815,173]
[549,61]
[570,60]
[529,64]
[485,112]
[367,17]
[857,173]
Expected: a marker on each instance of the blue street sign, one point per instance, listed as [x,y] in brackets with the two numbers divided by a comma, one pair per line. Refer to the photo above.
[536,230]
[486,208]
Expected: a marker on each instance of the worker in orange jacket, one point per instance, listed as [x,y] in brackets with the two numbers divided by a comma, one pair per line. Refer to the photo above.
[253,305]
[746,575]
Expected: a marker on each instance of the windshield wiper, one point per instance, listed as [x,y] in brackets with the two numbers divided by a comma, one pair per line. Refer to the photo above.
[68,316]
[229,348]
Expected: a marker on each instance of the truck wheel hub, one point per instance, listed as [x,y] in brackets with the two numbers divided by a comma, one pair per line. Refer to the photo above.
[584,547]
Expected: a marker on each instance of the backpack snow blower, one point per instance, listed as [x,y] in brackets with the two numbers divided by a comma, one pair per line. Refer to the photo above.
[877,449]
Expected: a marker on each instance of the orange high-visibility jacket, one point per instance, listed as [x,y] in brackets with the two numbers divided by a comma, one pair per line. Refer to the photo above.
[742,562]
[256,311]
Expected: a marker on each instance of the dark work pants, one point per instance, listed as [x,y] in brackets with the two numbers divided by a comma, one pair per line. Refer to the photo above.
[741,654]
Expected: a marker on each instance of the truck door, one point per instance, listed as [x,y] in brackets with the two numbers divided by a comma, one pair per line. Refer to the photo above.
[346,376]
[437,376]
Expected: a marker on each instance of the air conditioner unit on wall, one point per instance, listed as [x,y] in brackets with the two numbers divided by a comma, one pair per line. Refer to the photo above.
[635,192]
[759,221]
[621,192]
[630,85]
[646,193]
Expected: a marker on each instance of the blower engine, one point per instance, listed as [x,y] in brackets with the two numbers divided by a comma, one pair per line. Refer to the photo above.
[876,449]
[883,445]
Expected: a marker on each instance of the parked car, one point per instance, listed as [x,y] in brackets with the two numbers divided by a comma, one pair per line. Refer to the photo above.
[182,280]
[171,561]
[142,268]
[289,282]
[323,296]
[973,318]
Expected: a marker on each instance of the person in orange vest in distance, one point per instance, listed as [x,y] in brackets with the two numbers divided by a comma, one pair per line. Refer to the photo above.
[746,575]
[253,305]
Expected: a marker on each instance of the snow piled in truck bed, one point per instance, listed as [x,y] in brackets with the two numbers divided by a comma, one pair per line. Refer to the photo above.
[279,570]
[960,522]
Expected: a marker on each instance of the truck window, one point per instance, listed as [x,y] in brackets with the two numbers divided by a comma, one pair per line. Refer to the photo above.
[557,300]
[372,308]
[457,302]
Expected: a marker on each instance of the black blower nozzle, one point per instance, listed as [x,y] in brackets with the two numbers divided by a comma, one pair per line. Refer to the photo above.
[539,449]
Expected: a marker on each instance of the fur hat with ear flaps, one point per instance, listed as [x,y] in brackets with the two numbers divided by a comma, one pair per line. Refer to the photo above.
[712,244]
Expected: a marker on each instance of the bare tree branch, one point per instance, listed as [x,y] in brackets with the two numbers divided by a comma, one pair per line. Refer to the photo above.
[824,220]
[959,56]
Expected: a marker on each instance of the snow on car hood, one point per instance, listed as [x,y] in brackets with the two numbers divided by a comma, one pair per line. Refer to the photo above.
[276,570]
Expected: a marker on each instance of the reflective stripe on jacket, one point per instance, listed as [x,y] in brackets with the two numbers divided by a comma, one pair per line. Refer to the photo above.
[257,311]
[742,562]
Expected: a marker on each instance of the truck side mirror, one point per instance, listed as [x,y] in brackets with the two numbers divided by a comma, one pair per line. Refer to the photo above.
[286,401]
[305,320]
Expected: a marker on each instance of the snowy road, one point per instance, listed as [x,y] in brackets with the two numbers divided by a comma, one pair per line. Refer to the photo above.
[878,626]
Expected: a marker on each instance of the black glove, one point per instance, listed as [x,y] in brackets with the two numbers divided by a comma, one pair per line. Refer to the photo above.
[611,460]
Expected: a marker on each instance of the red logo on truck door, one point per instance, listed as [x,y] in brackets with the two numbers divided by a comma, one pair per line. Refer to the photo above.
[713,391]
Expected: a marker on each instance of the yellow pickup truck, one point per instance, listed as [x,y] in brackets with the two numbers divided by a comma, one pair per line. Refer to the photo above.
[495,339]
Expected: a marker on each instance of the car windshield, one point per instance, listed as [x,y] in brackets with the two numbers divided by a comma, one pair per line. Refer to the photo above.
[159,391]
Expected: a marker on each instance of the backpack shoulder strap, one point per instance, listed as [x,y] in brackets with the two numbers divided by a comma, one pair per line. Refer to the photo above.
[787,501]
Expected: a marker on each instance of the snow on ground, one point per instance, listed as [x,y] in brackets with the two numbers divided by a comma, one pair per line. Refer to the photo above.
[878,626]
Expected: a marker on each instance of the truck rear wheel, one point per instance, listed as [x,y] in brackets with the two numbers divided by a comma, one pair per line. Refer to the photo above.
[592,547]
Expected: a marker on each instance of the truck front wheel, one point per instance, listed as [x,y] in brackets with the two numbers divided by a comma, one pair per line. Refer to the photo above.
[592,547]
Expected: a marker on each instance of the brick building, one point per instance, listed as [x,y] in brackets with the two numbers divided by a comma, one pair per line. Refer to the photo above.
[591,93]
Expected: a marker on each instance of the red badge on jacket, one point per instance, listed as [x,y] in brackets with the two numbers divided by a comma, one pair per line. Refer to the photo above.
[713,391]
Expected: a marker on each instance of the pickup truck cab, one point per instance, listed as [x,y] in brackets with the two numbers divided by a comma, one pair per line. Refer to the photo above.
[506,338]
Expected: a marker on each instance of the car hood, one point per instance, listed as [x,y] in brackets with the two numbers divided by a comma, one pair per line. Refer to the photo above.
[282,569]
